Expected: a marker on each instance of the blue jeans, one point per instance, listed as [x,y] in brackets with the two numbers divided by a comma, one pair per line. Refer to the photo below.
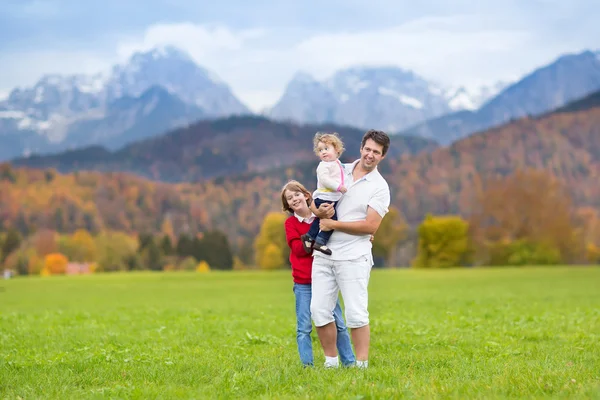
[321,237]
[304,328]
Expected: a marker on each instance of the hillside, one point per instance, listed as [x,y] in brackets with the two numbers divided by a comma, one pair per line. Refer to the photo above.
[216,148]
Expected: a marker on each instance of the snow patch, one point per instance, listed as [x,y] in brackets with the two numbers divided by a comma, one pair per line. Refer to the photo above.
[404,99]
[93,84]
[214,78]
[39,95]
[462,101]
[150,106]
[355,84]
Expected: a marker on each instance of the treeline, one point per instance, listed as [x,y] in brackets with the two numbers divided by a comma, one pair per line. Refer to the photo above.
[48,252]
[526,218]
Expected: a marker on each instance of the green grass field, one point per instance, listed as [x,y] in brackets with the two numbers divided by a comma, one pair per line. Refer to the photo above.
[481,333]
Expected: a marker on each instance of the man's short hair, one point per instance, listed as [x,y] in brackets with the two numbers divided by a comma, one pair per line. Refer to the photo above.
[379,137]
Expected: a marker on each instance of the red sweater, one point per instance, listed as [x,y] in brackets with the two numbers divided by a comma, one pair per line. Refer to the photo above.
[301,262]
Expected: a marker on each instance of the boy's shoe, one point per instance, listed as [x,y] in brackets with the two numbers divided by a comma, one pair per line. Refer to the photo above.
[322,248]
[307,243]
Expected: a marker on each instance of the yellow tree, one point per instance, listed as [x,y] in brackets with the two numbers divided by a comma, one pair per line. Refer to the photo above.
[84,246]
[272,238]
[271,257]
[443,242]
[393,229]
[203,267]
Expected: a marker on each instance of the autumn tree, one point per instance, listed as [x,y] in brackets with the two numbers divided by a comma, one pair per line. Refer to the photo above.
[588,230]
[166,245]
[167,229]
[152,256]
[272,238]
[11,242]
[217,250]
[114,249]
[84,246]
[392,230]
[45,242]
[271,257]
[188,264]
[443,242]
[530,208]
[184,247]
[203,267]
[55,263]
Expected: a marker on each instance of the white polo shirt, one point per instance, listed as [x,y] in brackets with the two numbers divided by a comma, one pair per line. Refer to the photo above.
[371,190]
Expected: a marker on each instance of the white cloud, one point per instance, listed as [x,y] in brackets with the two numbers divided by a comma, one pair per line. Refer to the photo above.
[465,49]
[4,94]
[25,68]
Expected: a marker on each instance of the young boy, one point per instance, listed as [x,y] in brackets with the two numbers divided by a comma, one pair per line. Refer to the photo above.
[330,187]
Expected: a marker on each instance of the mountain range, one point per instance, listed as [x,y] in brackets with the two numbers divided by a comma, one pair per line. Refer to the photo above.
[567,79]
[150,94]
[163,89]
[387,97]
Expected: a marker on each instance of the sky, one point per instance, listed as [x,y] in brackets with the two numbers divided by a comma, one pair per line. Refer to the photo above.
[257,46]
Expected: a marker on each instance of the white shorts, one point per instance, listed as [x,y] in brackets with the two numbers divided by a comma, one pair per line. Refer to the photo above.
[351,277]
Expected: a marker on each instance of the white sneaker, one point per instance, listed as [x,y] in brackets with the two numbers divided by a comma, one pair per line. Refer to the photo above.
[331,365]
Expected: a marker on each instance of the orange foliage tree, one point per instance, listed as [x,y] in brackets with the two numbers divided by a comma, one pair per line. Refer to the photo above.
[55,263]
[529,209]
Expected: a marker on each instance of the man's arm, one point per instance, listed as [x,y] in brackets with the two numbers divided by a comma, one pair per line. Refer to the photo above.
[367,226]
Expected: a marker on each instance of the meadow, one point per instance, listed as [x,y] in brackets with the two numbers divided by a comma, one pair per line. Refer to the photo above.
[460,333]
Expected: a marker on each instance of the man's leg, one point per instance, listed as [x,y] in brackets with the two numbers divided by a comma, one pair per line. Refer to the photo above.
[324,298]
[344,346]
[354,281]
[361,337]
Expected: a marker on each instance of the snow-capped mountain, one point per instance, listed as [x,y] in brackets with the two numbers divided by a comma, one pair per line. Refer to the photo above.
[387,97]
[174,70]
[305,100]
[566,79]
[47,116]
[462,98]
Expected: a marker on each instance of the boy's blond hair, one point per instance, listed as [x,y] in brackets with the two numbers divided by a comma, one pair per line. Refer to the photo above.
[328,138]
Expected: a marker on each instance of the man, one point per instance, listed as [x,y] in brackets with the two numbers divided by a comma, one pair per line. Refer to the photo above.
[348,268]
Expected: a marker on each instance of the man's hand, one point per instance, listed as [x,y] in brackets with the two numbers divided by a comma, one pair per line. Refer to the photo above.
[325,211]
[372,238]
[343,189]
[326,224]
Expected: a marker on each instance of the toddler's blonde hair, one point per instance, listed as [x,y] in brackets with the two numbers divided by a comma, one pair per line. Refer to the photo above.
[328,138]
